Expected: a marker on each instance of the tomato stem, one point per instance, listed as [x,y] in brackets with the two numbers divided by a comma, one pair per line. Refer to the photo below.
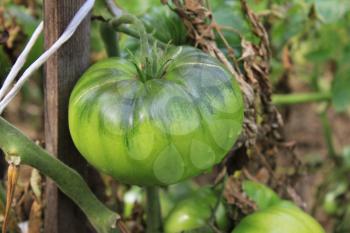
[300,98]
[154,222]
[110,40]
[150,57]
[130,32]
[327,131]
[14,142]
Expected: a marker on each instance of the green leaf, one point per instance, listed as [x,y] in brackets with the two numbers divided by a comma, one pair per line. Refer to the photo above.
[229,14]
[331,10]
[263,196]
[28,25]
[344,225]
[294,22]
[136,6]
[258,6]
[27,22]
[341,87]
[101,9]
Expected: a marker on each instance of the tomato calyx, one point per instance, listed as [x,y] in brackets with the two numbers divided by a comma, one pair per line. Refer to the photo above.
[154,65]
[150,62]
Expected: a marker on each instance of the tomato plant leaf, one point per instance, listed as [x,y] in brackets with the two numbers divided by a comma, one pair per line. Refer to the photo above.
[263,196]
[137,7]
[27,22]
[331,10]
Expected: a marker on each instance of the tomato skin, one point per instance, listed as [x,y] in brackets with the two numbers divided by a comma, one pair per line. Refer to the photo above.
[194,212]
[282,217]
[160,131]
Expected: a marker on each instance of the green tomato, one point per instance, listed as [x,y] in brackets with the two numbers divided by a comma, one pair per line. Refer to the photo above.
[160,131]
[282,217]
[262,195]
[194,212]
[163,24]
[131,197]
[173,194]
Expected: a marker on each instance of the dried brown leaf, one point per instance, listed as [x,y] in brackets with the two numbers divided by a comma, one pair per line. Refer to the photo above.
[35,218]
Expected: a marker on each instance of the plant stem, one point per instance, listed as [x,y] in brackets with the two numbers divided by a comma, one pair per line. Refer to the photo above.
[113,8]
[300,98]
[327,131]
[16,144]
[131,32]
[110,40]
[154,221]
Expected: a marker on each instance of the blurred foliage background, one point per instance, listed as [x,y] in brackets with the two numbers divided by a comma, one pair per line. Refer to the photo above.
[310,42]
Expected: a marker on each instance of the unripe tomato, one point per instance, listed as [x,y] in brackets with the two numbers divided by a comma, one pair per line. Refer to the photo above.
[194,212]
[158,131]
[282,217]
[165,25]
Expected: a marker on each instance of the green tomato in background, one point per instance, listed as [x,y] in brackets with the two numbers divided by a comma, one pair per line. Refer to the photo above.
[175,193]
[131,197]
[194,212]
[163,24]
[161,130]
[166,25]
[282,217]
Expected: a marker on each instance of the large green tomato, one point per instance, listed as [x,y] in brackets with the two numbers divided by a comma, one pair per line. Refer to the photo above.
[282,217]
[194,212]
[159,131]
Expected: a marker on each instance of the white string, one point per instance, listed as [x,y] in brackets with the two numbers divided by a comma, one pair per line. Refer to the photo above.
[21,60]
[67,34]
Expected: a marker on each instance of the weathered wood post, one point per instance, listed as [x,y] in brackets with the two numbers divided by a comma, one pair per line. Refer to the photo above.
[61,73]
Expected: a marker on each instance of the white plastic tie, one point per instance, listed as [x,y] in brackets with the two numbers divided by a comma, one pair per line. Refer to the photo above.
[21,60]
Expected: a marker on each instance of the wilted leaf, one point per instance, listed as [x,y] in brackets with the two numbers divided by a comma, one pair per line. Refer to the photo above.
[35,218]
